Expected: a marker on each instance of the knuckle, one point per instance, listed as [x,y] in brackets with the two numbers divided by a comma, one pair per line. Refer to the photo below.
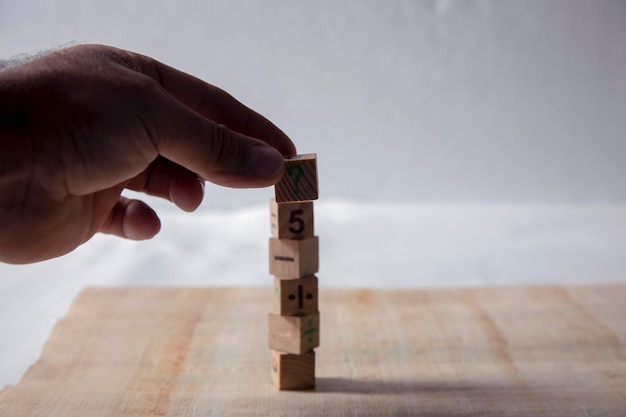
[224,150]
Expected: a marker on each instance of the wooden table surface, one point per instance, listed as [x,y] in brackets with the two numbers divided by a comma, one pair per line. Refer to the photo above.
[535,351]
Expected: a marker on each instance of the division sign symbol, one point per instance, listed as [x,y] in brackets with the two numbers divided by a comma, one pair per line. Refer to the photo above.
[301,297]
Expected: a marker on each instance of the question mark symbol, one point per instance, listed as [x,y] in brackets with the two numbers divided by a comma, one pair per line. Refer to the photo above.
[299,172]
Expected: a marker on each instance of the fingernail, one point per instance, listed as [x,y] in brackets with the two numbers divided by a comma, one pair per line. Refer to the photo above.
[265,161]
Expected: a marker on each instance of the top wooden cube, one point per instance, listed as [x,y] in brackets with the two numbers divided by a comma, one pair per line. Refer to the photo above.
[300,180]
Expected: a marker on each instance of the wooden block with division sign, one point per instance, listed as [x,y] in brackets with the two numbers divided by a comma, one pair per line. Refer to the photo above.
[293,372]
[300,180]
[295,297]
[293,220]
[294,258]
[294,334]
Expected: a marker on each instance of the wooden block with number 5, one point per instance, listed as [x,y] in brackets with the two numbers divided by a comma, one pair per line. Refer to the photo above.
[294,258]
[291,220]
[299,183]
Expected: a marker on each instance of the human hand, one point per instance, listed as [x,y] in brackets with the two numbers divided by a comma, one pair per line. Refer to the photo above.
[80,125]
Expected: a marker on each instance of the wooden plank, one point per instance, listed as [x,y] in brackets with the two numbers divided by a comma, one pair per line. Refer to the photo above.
[538,351]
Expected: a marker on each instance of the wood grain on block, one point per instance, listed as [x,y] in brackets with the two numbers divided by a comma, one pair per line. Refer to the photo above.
[291,220]
[294,334]
[293,372]
[500,351]
[295,296]
[299,183]
[294,258]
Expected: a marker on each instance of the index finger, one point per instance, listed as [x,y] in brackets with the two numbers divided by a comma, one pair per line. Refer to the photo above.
[217,105]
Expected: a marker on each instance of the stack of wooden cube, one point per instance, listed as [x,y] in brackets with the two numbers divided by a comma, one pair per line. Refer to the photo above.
[294,326]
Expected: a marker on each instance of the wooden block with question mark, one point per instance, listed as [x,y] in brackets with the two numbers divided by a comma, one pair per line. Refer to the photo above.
[300,180]
[293,220]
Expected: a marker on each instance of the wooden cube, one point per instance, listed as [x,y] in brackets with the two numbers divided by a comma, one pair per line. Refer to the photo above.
[291,220]
[300,180]
[295,297]
[293,372]
[294,258]
[294,334]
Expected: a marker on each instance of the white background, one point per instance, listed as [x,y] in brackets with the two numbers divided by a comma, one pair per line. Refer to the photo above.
[459,142]
[417,100]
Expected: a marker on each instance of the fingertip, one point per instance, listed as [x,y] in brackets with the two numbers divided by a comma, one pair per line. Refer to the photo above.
[140,222]
[283,144]
[186,193]
[265,162]
[290,150]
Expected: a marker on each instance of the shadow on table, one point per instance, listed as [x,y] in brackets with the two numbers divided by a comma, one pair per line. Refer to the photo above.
[379,386]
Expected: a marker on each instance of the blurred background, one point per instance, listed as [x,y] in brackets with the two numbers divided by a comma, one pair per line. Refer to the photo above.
[459,143]
[414,100]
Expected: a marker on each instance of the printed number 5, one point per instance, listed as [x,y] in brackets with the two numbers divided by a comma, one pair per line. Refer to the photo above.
[293,218]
